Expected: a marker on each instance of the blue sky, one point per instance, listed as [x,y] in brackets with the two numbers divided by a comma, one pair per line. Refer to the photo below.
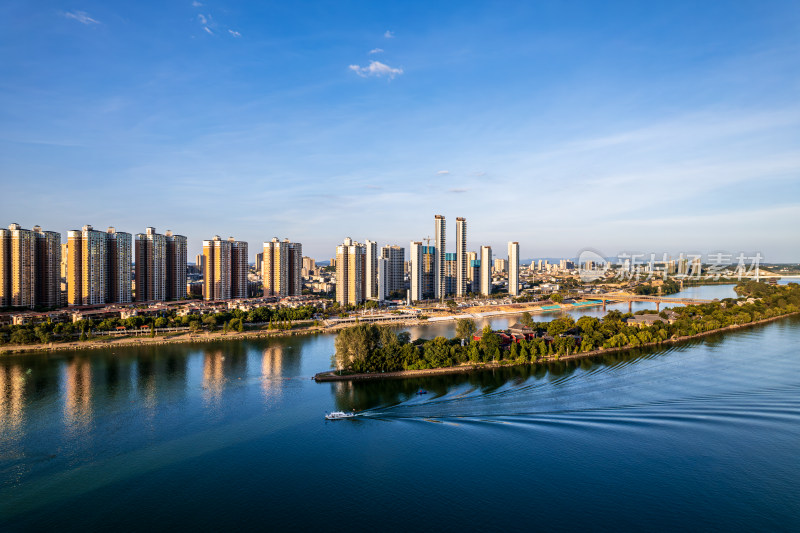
[648,126]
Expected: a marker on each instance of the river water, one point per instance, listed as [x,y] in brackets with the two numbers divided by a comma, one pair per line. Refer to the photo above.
[702,435]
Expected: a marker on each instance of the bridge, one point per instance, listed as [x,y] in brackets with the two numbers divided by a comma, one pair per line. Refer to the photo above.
[630,298]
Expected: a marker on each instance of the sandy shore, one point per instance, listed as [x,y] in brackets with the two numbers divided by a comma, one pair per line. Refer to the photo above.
[331,375]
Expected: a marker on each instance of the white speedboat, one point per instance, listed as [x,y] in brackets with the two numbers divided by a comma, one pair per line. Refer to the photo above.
[336,415]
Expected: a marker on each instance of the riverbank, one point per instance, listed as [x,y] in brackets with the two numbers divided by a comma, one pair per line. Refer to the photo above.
[183,338]
[464,368]
[188,338]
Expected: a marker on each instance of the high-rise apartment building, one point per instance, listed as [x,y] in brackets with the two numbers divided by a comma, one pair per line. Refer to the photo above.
[217,269]
[371,270]
[461,257]
[500,265]
[239,268]
[48,269]
[350,272]
[259,262]
[150,266]
[275,275]
[30,262]
[282,271]
[395,256]
[486,270]
[439,288]
[87,269]
[176,266]
[118,266]
[383,267]
[475,274]
[450,273]
[200,262]
[428,268]
[416,270]
[513,268]
[295,261]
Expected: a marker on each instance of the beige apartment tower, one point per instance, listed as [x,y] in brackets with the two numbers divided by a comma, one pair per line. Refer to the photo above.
[486,270]
[30,273]
[461,257]
[217,269]
[439,284]
[282,268]
[350,272]
[513,268]
[87,266]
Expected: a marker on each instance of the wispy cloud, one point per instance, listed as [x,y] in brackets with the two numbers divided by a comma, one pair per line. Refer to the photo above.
[376,51]
[235,33]
[81,16]
[389,34]
[208,31]
[377,69]
[443,172]
[202,18]
[457,191]
[196,4]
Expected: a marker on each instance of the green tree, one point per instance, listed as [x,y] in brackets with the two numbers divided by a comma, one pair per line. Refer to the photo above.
[527,320]
[465,328]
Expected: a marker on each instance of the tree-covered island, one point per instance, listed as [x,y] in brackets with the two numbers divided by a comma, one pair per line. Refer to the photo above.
[373,349]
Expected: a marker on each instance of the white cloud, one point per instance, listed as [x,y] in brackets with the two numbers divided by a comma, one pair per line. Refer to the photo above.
[202,18]
[457,191]
[389,34]
[196,4]
[208,30]
[443,172]
[376,51]
[82,17]
[377,69]
[235,33]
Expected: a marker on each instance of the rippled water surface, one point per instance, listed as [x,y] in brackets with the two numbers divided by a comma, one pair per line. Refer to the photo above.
[702,435]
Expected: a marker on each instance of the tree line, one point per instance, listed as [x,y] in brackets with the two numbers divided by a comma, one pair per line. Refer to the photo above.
[375,348]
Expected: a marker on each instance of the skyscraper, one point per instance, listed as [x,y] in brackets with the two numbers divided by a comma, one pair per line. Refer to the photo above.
[383,267]
[513,268]
[461,257]
[282,268]
[239,268]
[439,288]
[416,267]
[48,268]
[23,266]
[428,267]
[259,262]
[151,266]
[395,256]
[350,272]
[118,266]
[217,271]
[486,270]
[176,266]
[87,269]
[450,274]
[295,261]
[371,269]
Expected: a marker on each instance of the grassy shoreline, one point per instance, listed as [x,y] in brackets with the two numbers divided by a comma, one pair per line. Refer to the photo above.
[331,376]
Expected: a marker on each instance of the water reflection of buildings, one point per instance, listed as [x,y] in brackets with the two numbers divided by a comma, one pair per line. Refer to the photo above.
[213,376]
[271,376]
[12,398]
[78,393]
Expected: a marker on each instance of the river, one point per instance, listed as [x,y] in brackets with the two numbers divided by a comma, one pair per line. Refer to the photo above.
[701,435]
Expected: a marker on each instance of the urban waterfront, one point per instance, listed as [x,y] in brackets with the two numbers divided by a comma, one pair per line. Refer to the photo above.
[701,435]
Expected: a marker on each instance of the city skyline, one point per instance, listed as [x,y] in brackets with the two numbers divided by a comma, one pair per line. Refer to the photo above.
[577,125]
